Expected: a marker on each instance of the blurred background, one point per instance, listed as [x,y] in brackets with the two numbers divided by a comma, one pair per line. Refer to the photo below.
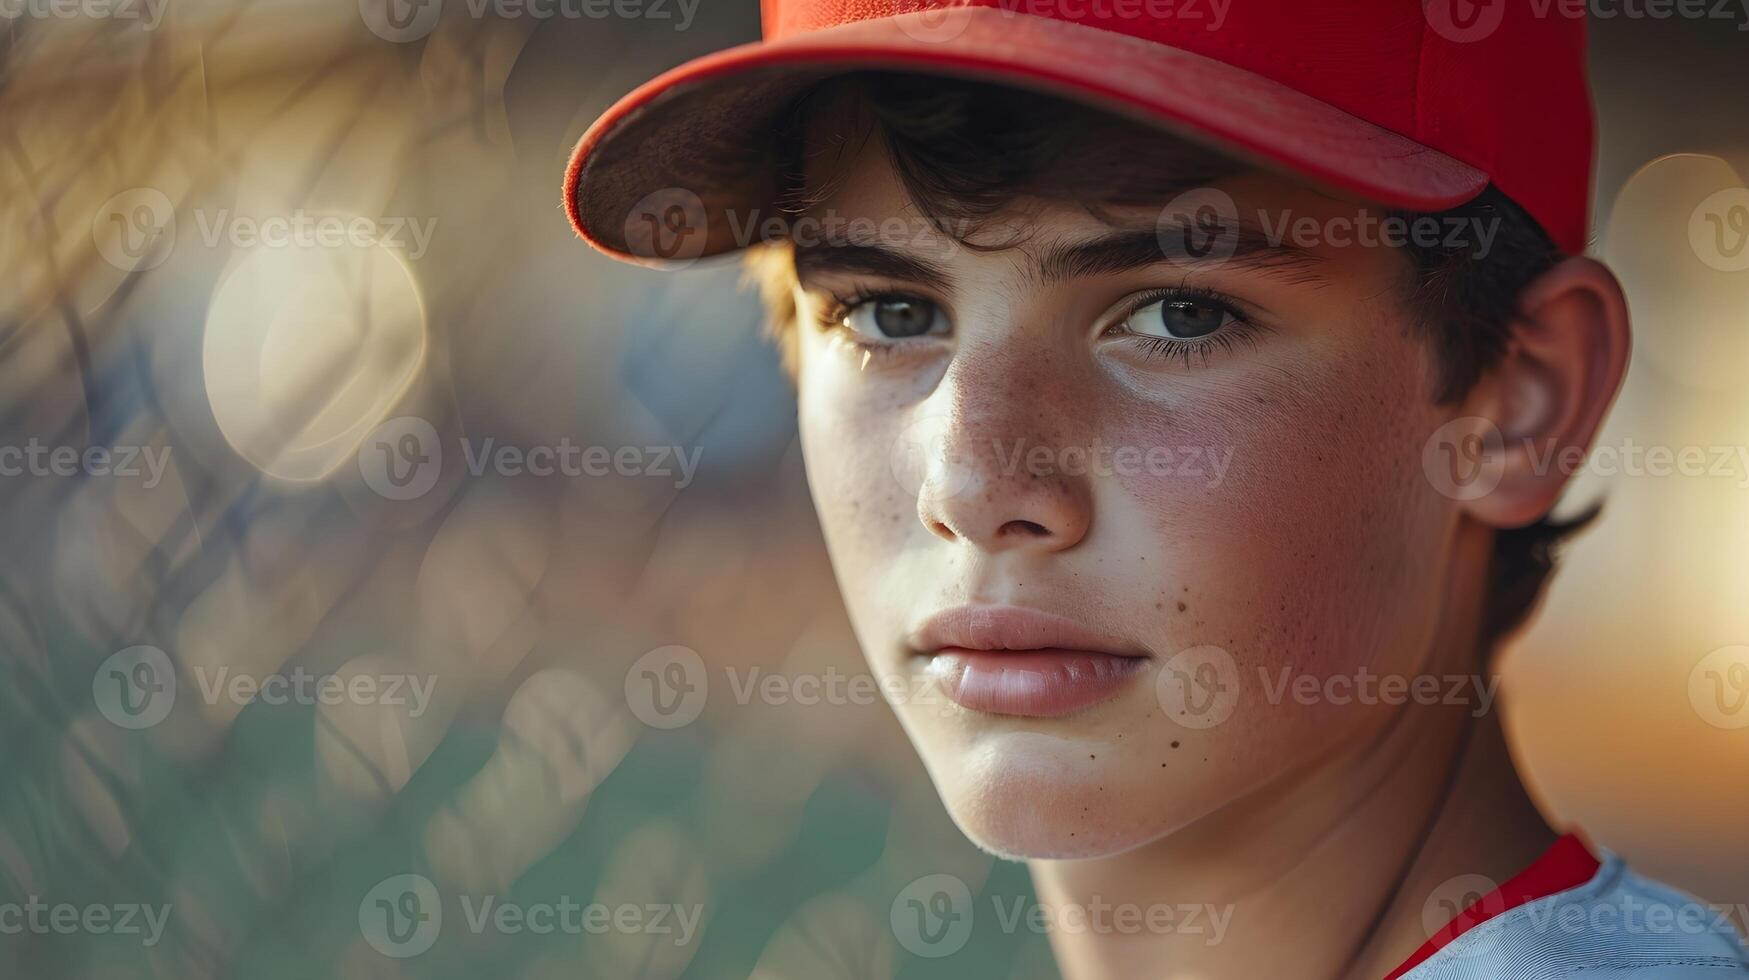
[281,277]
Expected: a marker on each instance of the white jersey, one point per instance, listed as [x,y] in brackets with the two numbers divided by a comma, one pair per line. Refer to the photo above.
[1615,926]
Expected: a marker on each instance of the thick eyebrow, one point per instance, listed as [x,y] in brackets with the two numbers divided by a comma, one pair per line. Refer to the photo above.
[870,260]
[1248,249]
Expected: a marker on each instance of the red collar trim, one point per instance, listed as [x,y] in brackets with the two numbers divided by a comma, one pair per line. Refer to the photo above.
[1566,864]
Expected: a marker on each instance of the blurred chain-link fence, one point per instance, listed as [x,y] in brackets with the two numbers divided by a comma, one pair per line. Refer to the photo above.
[385,577]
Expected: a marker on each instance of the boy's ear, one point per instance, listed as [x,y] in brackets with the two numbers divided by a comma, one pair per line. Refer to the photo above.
[1548,394]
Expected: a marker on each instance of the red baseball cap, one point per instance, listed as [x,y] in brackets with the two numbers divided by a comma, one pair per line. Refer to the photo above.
[1414,104]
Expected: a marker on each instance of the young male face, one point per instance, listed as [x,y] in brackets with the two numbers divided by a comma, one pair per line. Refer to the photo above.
[1042,437]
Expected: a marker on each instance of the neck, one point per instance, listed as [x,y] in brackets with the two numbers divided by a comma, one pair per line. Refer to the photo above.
[1325,874]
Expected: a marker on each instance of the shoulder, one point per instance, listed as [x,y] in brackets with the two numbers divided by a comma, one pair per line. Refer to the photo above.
[1616,926]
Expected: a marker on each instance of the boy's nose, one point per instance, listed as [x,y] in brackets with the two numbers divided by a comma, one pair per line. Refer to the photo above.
[995,482]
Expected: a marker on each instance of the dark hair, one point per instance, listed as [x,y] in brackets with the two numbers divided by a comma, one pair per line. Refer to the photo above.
[965,150]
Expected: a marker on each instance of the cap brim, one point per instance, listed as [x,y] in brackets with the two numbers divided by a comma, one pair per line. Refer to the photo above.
[659,176]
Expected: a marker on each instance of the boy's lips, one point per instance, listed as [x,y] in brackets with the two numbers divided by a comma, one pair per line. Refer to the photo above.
[1013,661]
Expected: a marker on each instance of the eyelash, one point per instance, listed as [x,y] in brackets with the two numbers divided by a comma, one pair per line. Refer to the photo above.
[832,320]
[1241,330]
[833,314]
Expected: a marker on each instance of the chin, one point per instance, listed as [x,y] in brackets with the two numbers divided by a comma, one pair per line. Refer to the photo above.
[1033,796]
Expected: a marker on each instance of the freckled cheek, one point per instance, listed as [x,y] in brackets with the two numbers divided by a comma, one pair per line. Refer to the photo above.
[1288,552]
[848,445]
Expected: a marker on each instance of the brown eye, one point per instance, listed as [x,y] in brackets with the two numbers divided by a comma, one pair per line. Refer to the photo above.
[896,317]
